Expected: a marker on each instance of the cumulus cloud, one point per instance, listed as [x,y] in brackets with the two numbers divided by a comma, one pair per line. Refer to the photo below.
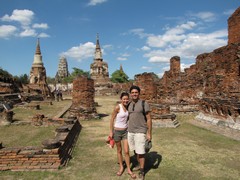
[28,32]
[172,35]
[146,48]
[40,26]
[43,35]
[24,16]
[81,52]
[146,68]
[96,2]
[7,31]
[122,58]
[183,40]
[205,16]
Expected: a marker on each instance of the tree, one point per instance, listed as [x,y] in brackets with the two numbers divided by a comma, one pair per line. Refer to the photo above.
[4,73]
[119,76]
[76,72]
[23,79]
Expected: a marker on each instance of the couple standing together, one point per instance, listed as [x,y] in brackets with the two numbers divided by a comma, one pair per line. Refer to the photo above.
[131,126]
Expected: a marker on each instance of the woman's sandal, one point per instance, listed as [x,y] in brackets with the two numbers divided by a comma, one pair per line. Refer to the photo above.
[119,173]
[132,175]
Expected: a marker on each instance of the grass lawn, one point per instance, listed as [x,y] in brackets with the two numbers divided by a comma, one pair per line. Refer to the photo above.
[186,152]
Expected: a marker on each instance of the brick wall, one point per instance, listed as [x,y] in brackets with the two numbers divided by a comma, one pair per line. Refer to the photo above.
[55,152]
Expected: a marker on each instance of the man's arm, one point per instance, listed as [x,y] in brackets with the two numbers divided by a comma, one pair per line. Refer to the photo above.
[149,126]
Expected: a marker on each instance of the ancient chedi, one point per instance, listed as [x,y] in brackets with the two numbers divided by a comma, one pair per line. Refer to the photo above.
[38,75]
[99,73]
[62,69]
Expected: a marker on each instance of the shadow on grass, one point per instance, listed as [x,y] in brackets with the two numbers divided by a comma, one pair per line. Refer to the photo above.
[152,161]
[103,115]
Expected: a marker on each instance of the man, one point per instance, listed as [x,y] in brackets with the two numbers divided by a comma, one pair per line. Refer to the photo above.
[139,127]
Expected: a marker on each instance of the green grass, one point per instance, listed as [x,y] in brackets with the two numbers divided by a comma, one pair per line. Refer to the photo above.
[186,152]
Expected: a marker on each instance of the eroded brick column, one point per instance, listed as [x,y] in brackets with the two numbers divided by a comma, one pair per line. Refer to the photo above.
[83,105]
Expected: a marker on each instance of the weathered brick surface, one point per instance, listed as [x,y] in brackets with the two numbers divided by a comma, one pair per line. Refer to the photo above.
[37,158]
[233,27]
[83,105]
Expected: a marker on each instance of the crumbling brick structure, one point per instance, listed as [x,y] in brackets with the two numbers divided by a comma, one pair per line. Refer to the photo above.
[53,154]
[211,85]
[83,105]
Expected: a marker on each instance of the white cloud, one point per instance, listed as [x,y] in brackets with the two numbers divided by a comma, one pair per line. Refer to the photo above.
[81,52]
[28,33]
[229,12]
[43,35]
[7,31]
[96,2]
[140,32]
[146,48]
[171,36]
[146,68]
[205,16]
[40,26]
[183,66]
[26,28]
[183,41]
[122,58]
[24,17]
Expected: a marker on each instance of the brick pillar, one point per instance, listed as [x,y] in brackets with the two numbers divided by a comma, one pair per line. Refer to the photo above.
[148,85]
[83,105]
[234,27]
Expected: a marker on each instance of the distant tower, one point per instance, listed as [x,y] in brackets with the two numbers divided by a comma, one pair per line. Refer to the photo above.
[99,68]
[121,68]
[62,68]
[233,27]
[38,72]
[175,66]
[38,77]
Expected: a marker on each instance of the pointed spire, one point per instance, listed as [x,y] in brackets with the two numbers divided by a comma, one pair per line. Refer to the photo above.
[121,68]
[97,43]
[38,51]
[98,52]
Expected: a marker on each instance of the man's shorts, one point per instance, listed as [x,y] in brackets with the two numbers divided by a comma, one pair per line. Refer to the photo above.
[136,142]
[119,135]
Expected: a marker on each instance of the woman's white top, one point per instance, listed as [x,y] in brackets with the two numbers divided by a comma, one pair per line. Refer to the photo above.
[121,118]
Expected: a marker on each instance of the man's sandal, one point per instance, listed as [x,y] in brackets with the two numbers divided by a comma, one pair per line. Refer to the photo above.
[132,175]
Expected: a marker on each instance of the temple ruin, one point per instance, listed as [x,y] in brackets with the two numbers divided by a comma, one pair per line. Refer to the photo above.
[62,69]
[210,86]
[99,73]
[37,77]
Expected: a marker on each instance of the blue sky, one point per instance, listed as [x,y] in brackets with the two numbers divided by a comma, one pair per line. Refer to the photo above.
[142,35]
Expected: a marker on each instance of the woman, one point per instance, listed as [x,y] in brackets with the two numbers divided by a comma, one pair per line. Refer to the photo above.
[118,131]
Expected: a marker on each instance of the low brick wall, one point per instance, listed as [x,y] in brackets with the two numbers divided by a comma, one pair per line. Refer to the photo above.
[53,154]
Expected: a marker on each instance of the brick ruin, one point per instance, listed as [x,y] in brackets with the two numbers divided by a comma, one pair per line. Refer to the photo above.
[211,85]
[51,155]
[83,105]
[99,73]
[38,77]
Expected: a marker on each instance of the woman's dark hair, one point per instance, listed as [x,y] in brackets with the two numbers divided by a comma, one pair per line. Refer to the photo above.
[135,87]
[124,94]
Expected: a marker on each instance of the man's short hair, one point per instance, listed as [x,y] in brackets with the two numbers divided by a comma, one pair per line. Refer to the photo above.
[134,87]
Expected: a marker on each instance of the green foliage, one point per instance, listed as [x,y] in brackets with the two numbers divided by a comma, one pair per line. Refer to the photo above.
[79,72]
[4,73]
[23,79]
[50,80]
[76,72]
[119,76]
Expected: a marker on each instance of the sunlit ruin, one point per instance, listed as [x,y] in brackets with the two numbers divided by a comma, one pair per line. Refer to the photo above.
[210,88]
